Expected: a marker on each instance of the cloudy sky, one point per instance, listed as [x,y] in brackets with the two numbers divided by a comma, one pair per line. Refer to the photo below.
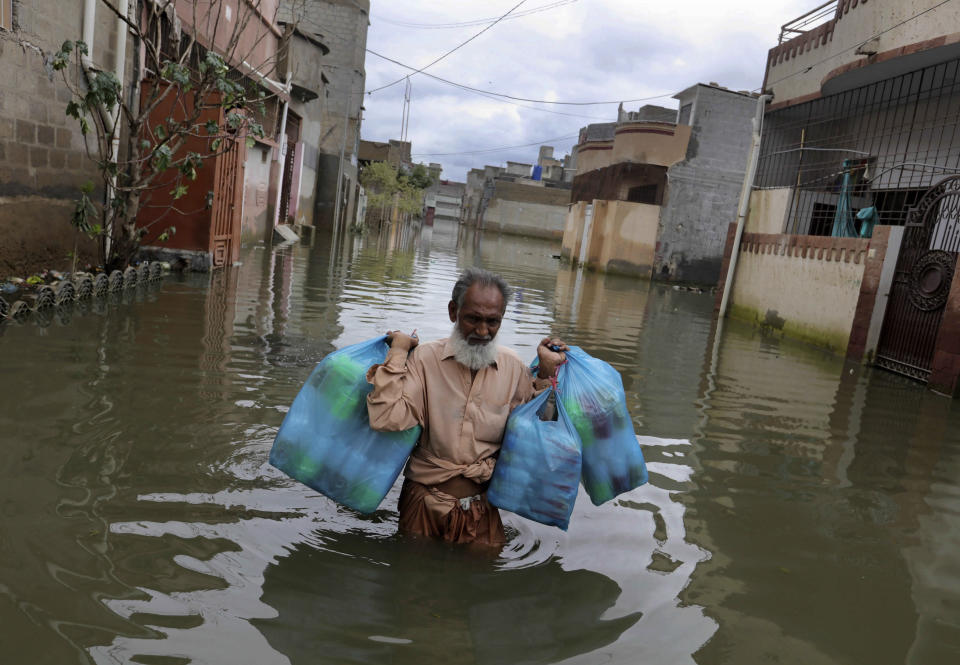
[573,50]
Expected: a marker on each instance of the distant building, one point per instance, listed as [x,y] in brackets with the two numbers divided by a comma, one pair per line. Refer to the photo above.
[395,153]
[449,201]
[521,198]
[655,191]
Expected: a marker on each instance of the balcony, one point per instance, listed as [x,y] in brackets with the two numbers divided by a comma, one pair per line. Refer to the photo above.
[812,19]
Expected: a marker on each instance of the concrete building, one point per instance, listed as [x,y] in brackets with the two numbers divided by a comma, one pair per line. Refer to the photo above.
[652,197]
[449,200]
[341,26]
[395,153]
[524,207]
[862,130]
[520,198]
[304,128]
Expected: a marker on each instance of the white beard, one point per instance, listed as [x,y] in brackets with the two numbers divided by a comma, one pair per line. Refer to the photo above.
[474,356]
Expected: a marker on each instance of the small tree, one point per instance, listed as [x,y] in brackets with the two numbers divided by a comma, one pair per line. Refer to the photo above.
[214,105]
[387,187]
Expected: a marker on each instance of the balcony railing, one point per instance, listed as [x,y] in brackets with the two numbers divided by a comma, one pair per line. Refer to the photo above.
[812,19]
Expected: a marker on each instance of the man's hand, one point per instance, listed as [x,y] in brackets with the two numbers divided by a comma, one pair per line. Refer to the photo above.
[402,341]
[550,359]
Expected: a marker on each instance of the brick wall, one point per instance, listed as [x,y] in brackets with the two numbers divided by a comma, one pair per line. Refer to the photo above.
[42,156]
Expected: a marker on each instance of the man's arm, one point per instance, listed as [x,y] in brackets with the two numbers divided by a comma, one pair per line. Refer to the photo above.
[549,361]
[397,400]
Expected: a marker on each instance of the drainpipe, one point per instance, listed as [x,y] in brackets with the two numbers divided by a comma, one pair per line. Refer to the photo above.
[89,22]
[745,193]
[119,67]
[585,237]
[282,149]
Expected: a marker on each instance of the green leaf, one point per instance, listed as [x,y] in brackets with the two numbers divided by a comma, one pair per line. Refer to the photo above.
[145,144]
[251,142]
[160,132]
[82,48]
[87,187]
[212,127]
[162,157]
[215,144]
[84,126]
[178,192]
[73,109]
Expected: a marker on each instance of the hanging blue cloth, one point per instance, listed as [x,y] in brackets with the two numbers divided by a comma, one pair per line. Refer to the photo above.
[868,219]
[843,219]
[326,441]
[538,472]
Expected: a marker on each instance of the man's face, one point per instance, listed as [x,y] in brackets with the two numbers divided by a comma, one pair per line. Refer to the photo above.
[480,315]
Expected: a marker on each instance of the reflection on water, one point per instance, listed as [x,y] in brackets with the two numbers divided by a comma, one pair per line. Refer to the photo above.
[798,510]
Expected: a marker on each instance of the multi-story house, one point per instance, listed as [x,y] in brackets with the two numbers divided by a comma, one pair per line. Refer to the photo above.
[654,192]
[857,193]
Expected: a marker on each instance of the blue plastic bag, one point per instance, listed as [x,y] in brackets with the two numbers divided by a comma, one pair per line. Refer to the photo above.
[326,441]
[592,394]
[538,471]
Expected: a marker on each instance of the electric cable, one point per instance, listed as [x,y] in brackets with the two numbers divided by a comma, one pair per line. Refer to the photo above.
[475,22]
[519,99]
[451,51]
[499,149]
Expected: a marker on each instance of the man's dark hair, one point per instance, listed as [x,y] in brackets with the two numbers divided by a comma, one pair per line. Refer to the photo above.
[482,277]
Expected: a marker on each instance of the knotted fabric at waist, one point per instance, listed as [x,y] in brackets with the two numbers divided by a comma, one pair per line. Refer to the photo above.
[425,467]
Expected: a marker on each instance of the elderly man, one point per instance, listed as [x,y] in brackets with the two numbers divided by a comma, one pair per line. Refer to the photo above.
[461,391]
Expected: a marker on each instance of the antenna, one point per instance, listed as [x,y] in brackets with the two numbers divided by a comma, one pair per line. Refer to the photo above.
[405,124]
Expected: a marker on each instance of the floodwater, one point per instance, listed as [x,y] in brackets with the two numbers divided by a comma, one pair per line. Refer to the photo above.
[799,510]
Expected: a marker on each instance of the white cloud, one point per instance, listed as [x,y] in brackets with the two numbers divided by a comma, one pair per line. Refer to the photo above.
[585,50]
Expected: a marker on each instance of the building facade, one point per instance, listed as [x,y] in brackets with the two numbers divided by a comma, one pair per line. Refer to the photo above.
[860,137]
[653,197]
[341,25]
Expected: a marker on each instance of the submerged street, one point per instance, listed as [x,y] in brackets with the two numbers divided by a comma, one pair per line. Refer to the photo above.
[799,510]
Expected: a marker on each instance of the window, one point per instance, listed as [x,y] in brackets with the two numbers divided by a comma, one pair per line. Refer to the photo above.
[643,194]
[684,116]
[6,14]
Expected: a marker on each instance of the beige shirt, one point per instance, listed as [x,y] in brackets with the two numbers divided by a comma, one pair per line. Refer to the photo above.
[463,418]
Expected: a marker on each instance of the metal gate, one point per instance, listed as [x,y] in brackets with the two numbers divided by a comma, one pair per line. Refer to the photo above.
[921,284]
[228,190]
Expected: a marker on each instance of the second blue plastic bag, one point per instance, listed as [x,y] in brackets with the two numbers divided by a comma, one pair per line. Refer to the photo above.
[326,441]
[592,393]
[538,471]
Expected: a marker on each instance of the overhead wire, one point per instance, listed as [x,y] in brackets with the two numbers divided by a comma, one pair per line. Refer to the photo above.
[451,51]
[513,97]
[475,22]
[498,149]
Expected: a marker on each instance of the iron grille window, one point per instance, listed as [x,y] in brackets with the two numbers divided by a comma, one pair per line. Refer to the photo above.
[893,139]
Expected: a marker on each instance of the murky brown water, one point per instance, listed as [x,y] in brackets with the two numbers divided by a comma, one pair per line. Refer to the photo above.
[798,512]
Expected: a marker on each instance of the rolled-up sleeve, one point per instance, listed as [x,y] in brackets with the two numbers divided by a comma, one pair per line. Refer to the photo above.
[397,400]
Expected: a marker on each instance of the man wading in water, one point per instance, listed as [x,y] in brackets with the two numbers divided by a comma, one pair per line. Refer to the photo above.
[461,391]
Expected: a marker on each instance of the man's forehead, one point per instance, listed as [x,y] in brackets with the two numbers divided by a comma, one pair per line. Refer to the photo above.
[483,295]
